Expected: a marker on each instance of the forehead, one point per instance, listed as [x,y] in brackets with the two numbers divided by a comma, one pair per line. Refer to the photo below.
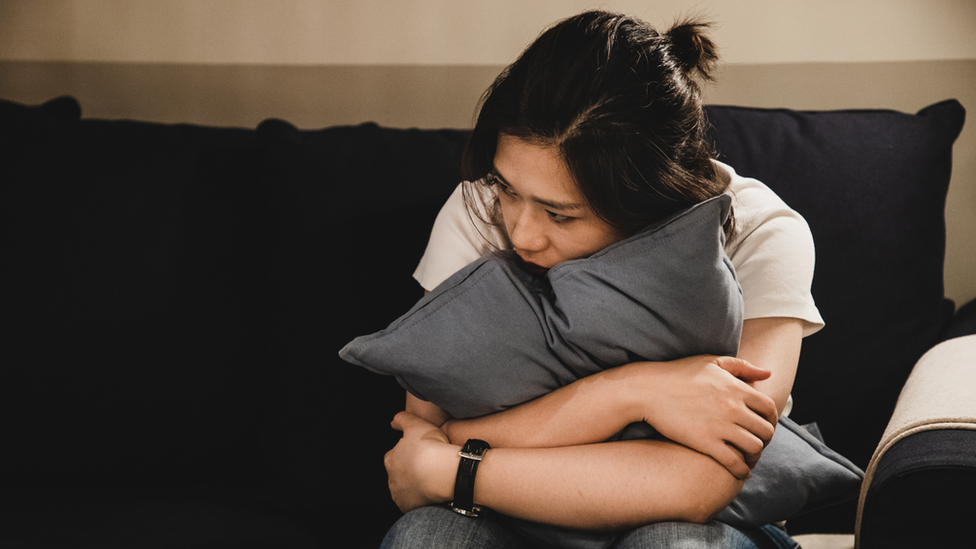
[537,172]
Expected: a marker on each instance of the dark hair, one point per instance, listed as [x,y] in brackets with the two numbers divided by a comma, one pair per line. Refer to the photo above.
[621,103]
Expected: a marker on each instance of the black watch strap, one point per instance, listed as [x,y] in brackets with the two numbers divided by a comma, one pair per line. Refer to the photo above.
[471,454]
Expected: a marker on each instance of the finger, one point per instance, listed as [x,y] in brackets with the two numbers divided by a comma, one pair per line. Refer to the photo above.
[758,403]
[742,369]
[752,460]
[404,420]
[733,460]
[757,426]
[764,406]
[748,446]
[416,427]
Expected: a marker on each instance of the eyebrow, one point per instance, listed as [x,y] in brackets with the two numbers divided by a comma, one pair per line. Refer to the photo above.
[566,206]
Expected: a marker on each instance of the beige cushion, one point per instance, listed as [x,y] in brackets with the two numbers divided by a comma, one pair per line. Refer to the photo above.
[825,541]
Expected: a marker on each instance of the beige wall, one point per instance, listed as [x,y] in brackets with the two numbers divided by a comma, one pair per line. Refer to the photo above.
[425,62]
[458,32]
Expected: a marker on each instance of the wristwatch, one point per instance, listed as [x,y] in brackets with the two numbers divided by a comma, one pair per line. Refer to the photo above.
[471,454]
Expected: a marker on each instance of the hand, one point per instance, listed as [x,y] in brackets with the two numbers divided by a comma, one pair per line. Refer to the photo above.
[707,403]
[422,466]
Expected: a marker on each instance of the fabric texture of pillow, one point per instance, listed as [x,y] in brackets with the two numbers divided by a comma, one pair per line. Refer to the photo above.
[493,335]
[790,480]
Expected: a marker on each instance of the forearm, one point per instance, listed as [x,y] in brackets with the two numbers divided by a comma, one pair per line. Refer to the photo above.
[542,467]
[428,411]
[603,487]
[698,402]
[589,410]
[773,343]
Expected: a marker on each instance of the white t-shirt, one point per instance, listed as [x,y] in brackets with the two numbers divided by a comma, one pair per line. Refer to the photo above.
[772,250]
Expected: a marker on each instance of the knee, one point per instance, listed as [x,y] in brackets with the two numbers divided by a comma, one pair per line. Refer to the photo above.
[415,529]
[441,528]
[683,535]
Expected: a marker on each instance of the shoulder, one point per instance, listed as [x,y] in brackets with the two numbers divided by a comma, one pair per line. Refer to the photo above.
[457,238]
[772,251]
[759,208]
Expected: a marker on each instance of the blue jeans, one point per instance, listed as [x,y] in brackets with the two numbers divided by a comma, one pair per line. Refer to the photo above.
[442,528]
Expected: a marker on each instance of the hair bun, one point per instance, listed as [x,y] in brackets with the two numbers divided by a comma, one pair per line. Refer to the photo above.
[692,49]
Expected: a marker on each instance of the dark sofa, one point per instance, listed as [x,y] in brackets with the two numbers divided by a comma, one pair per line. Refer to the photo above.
[179,294]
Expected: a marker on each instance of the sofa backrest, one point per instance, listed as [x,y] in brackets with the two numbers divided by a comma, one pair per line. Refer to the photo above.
[180,292]
[872,186]
[137,254]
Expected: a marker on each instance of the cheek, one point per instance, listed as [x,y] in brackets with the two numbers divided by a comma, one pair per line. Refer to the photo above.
[507,211]
[589,241]
[569,245]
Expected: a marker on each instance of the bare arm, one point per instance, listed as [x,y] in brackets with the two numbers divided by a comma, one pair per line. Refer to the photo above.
[694,401]
[773,343]
[595,486]
[600,487]
[427,411]
[722,407]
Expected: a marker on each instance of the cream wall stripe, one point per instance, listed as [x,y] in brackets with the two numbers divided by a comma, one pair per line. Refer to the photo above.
[462,32]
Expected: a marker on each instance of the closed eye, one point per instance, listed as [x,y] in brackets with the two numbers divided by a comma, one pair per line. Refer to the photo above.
[507,190]
[495,180]
[559,218]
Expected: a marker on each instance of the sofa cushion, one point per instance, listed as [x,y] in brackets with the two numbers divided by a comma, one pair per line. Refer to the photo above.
[51,113]
[963,322]
[137,292]
[351,210]
[872,186]
[147,517]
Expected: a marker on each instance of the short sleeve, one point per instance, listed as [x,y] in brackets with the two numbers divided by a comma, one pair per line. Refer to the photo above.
[773,254]
[454,242]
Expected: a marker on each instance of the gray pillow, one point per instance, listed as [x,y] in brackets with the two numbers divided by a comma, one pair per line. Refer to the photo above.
[796,474]
[494,335]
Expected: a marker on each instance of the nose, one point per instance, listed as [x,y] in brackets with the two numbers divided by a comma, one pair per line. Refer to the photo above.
[527,233]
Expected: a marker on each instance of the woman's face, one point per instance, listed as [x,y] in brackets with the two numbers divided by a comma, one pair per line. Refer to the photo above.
[546,217]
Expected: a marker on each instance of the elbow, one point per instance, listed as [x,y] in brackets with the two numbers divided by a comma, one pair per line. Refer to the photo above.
[704,514]
[713,499]
[698,504]
[695,490]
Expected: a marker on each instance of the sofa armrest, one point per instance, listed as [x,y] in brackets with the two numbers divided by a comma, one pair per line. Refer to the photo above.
[918,485]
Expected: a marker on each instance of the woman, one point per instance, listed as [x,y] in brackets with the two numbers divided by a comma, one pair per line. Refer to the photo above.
[596,131]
